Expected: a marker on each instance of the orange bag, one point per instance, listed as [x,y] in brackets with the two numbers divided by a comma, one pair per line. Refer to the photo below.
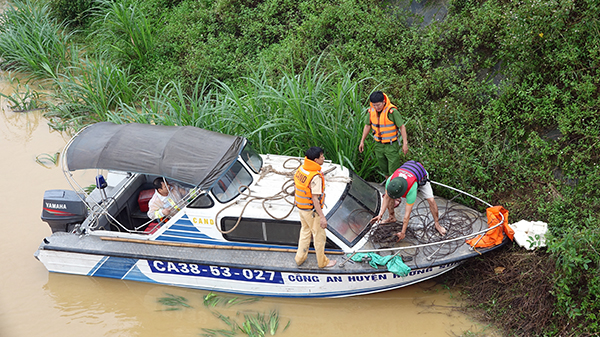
[495,236]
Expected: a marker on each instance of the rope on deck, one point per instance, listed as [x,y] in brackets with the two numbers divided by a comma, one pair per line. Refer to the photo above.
[457,220]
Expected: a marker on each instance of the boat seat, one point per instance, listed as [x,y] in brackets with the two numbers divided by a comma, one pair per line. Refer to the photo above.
[144,198]
[126,204]
[133,203]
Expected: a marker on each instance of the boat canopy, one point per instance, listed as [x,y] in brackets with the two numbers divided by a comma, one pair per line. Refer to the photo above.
[183,153]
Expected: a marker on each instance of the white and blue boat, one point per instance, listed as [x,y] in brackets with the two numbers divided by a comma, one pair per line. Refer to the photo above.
[237,230]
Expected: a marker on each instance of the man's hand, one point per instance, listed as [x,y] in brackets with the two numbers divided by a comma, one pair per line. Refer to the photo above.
[166,211]
[323,221]
[401,236]
[404,139]
[375,219]
[366,130]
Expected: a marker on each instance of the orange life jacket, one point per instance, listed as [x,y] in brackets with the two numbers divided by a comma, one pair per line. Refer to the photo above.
[385,131]
[494,237]
[302,179]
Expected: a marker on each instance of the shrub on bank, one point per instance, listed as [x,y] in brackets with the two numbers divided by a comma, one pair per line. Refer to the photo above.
[577,277]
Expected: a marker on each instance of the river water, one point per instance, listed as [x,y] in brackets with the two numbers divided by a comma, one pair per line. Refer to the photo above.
[34,302]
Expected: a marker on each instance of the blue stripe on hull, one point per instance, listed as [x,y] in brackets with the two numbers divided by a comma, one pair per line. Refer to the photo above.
[136,275]
[181,230]
[98,265]
[184,235]
[113,267]
[180,227]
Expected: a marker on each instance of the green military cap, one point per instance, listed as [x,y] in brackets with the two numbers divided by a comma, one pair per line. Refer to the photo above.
[396,187]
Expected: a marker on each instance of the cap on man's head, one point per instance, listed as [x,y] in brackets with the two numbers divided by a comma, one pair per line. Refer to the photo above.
[396,187]
[376,97]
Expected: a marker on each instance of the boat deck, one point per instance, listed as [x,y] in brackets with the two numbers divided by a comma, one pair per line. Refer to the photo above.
[459,220]
[274,260]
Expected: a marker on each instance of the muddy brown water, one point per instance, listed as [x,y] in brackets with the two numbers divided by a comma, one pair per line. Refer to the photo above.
[34,302]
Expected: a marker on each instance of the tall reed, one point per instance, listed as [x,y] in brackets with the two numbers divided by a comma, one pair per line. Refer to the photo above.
[124,31]
[171,105]
[312,108]
[90,90]
[31,41]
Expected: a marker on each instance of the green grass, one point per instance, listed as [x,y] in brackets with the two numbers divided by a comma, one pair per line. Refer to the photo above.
[48,160]
[90,90]
[24,97]
[300,110]
[122,30]
[173,302]
[254,324]
[213,300]
[32,42]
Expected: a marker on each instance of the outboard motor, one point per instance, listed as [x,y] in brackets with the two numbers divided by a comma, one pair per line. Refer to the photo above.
[62,208]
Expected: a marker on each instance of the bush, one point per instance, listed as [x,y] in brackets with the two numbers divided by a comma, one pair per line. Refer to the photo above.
[74,12]
[577,277]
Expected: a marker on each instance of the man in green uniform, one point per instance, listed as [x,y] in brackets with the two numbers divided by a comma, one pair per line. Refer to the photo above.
[385,121]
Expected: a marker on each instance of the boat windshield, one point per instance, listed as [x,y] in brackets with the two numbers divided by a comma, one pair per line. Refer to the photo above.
[252,158]
[350,220]
[230,184]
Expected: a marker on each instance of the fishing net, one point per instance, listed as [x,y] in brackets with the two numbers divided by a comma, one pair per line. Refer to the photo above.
[455,218]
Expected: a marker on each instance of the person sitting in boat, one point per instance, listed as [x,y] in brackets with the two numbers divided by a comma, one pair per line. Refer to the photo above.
[406,181]
[310,198]
[166,199]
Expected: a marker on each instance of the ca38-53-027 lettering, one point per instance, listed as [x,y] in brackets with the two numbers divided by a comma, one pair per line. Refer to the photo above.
[192,269]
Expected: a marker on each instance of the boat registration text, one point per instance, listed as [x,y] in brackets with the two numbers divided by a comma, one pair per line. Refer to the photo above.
[248,275]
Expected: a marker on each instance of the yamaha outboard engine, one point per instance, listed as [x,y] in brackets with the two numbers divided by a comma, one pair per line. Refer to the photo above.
[62,208]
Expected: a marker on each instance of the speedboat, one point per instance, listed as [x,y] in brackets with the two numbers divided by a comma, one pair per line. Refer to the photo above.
[236,230]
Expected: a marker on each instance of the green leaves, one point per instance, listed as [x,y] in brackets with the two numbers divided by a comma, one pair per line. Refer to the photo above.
[33,42]
[213,300]
[24,99]
[248,322]
[259,324]
[174,302]
[48,160]
[254,324]
[124,30]
[577,287]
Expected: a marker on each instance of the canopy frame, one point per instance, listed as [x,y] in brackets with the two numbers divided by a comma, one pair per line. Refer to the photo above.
[182,153]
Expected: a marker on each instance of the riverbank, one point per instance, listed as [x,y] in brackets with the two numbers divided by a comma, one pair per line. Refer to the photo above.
[512,289]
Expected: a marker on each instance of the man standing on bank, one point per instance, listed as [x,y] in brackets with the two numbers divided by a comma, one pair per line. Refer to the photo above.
[406,181]
[385,121]
[310,198]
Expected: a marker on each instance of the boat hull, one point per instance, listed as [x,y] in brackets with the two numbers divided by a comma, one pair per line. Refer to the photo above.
[247,281]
